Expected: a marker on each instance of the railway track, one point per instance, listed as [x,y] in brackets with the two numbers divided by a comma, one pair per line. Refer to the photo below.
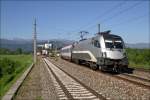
[137,80]
[142,82]
[134,79]
[69,87]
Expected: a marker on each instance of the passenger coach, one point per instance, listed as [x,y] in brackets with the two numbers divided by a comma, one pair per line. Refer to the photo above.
[66,52]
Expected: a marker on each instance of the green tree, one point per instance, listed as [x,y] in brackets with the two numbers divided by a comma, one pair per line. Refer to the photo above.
[19,51]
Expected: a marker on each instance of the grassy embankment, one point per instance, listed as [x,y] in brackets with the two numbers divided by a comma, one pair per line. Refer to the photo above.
[139,58]
[11,68]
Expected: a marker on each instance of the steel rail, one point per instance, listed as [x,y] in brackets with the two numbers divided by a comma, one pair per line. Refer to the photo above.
[88,88]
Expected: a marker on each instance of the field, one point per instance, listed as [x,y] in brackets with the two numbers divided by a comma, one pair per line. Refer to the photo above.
[11,67]
[139,58]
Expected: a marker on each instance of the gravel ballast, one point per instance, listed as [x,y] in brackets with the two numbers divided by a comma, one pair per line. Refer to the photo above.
[110,87]
[38,85]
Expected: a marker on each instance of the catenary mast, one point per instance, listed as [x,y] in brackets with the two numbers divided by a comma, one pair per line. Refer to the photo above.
[34,42]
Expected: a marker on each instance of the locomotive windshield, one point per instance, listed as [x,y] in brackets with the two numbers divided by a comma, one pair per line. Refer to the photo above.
[113,41]
[113,44]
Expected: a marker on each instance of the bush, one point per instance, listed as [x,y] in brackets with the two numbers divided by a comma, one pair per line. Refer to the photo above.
[139,57]
[11,67]
[5,51]
[7,66]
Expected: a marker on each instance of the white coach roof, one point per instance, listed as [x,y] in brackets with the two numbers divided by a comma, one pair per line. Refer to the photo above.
[66,47]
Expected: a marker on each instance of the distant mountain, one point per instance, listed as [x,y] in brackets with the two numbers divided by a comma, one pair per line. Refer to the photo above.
[138,45]
[27,45]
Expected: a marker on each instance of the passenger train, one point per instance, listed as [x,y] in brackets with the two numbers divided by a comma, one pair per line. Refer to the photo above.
[104,51]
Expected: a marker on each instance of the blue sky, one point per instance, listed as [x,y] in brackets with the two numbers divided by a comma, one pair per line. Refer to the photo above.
[64,19]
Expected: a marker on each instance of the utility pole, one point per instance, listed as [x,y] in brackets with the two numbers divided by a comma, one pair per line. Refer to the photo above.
[34,41]
[98,28]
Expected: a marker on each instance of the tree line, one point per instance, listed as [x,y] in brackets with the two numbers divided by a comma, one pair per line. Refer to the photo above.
[139,57]
[11,52]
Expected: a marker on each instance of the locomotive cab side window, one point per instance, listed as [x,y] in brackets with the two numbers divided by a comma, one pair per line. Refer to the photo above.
[97,44]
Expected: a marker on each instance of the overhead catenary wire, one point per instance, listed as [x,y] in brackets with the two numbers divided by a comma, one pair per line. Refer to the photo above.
[114,15]
[118,13]
[121,12]
[102,15]
[128,21]
[107,18]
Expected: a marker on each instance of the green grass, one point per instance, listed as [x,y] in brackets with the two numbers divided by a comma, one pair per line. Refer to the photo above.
[11,68]
[139,58]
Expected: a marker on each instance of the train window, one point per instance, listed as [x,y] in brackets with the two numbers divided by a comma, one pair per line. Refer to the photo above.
[96,43]
[115,44]
[118,45]
[109,45]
